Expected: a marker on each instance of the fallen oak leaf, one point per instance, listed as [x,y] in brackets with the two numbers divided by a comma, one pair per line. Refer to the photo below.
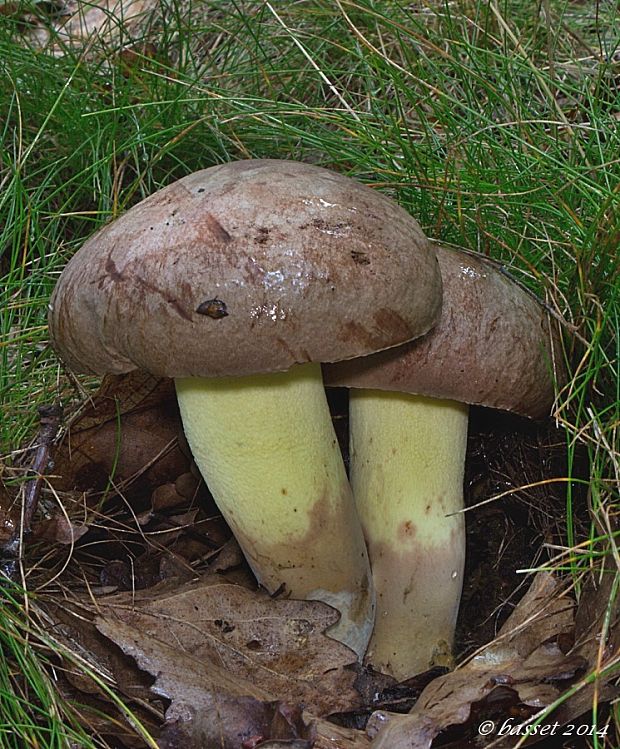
[277,645]
[524,657]
[170,665]
[286,728]
[597,630]
[210,708]
[270,719]
[542,614]
[78,634]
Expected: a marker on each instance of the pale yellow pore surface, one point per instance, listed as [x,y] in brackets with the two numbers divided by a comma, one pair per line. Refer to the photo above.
[407,463]
[267,449]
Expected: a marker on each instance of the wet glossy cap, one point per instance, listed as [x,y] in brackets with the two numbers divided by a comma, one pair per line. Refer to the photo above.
[494,345]
[248,267]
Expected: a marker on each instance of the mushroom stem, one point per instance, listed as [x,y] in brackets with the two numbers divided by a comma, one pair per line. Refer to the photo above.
[269,454]
[407,465]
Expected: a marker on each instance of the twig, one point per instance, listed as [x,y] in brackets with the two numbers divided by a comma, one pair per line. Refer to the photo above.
[49,422]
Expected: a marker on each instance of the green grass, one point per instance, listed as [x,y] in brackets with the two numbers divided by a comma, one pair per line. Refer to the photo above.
[31,710]
[495,124]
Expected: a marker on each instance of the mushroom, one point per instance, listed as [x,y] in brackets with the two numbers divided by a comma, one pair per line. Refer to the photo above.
[237,281]
[493,346]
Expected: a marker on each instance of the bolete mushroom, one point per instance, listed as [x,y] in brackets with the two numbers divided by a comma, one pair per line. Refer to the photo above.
[493,346]
[237,281]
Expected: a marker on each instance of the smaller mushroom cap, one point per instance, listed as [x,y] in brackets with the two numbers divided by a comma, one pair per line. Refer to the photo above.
[244,268]
[494,345]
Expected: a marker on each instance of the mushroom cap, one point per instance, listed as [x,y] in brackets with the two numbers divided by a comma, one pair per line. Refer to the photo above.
[248,267]
[494,345]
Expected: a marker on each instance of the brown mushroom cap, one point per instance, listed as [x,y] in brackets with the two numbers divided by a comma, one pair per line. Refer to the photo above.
[494,345]
[248,267]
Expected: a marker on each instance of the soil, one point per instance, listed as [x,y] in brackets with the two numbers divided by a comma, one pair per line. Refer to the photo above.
[516,531]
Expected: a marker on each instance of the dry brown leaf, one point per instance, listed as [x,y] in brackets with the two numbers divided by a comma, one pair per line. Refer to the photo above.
[130,432]
[598,604]
[209,706]
[104,719]
[182,678]
[60,530]
[276,645]
[228,557]
[121,394]
[524,657]
[166,497]
[174,494]
[597,639]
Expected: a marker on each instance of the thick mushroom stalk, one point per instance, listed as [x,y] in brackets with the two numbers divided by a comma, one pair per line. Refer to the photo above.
[407,459]
[268,450]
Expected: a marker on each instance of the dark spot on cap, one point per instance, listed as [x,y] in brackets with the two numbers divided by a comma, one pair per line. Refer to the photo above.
[217,229]
[213,308]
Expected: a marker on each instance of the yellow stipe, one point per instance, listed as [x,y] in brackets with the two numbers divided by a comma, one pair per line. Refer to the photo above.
[265,442]
[269,454]
[407,455]
[407,463]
